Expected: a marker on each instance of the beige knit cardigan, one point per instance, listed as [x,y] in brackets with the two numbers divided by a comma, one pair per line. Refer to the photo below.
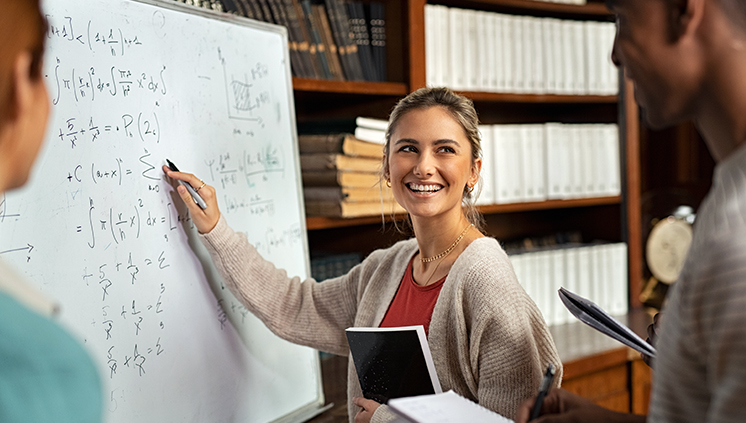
[488,339]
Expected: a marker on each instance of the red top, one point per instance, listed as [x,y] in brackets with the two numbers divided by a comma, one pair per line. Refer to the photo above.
[413,304]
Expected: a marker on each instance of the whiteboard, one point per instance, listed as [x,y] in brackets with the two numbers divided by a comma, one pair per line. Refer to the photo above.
[99,228]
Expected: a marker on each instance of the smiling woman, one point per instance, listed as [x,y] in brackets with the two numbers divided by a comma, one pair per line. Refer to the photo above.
[488,339]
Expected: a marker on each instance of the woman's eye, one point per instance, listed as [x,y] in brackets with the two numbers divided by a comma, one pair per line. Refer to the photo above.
[408,148]
[446,150]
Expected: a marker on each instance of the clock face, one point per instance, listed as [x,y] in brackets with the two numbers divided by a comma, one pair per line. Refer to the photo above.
[667,246]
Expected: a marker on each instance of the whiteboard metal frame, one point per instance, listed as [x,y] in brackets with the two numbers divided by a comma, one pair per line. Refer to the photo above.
[312,409]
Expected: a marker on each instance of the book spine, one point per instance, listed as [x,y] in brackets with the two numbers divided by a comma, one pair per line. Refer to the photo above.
[344,22]
[331,47]
[281,18]
[377,13]
[306,46]
[362,40]
[340,39]
[323,66]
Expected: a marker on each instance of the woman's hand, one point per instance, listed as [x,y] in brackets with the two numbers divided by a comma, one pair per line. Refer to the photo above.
[205,220]
[367,408]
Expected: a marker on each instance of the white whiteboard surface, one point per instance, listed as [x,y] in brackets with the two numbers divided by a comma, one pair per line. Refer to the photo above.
[99,229]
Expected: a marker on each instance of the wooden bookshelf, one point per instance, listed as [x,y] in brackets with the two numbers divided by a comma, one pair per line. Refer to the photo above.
[540,98]
[349,87]
[615,218]
[592,9]
[320,222]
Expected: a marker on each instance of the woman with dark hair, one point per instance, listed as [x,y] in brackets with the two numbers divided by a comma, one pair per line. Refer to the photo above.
[489,341]
[45,375]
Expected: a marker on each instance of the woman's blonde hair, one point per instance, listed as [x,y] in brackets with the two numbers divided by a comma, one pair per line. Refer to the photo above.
[462,110]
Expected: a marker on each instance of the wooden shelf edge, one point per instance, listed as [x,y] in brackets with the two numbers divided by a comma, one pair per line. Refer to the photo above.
[549,204]
[349,87]
[540,98]
[321,222]
[590,9]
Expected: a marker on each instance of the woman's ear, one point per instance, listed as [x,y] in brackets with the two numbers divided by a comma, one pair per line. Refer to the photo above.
[476,170]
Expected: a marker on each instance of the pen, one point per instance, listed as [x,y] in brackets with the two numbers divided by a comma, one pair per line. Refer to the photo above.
[197,199]
[543,391]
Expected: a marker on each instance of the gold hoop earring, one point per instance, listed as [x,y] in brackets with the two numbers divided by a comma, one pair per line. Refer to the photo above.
[388,183]
[470,189]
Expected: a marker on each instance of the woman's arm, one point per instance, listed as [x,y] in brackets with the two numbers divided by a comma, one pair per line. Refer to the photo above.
[303,312]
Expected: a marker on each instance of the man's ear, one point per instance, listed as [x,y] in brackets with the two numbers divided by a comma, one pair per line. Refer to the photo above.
[684,17]
[21,88]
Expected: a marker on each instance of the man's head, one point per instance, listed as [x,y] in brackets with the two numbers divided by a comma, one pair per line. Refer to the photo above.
[24,105]
[666,49]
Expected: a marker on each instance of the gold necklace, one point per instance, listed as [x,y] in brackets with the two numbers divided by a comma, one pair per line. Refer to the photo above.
[449,249]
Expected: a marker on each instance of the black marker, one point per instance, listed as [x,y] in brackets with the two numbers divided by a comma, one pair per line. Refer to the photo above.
[546,384]
[197,199]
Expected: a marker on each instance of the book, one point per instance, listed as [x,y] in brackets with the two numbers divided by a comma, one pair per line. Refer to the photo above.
[345,39]
[447,407]
[334,208]
[594,316]
[307,46]
[349,194]
[324,71]
[295,30]
[359,27]
[330,47]
[321,161]
[339,143]
[339,178]
[371,135]
[377,28]
[392,362]
[372,123]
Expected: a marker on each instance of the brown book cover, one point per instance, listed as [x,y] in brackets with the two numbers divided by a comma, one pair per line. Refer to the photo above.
[342,209]
[350,194]
[322,161]
[335,178]
[340,143]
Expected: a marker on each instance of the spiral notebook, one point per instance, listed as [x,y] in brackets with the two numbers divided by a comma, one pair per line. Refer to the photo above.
[448,407]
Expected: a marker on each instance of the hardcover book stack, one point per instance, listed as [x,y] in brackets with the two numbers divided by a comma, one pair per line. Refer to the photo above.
[328,39]
[342,174]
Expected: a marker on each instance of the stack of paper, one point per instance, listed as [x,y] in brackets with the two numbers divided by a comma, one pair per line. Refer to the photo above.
[448,407]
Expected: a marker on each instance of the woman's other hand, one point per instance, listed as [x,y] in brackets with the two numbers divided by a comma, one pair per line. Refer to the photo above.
[367,408]
[205,220]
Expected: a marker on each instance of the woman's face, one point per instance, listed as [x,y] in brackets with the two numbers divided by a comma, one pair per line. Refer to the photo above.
[430,162]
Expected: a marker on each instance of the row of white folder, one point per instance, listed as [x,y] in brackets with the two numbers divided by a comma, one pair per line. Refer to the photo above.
[472,50]
[596,272]
[551,161]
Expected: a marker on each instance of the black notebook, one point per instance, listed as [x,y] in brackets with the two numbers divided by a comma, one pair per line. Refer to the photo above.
[594,316]
[393,362]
